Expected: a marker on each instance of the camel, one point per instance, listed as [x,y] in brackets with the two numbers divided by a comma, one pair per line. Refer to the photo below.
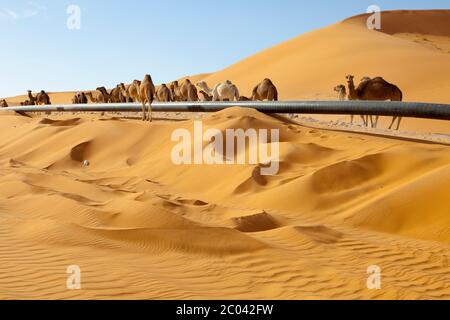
[205,96]
[75,99]
[266,90]
[124,93]
[188,92]
[175,90]
[82,98]
[376,89]
[341,90]
[225,91]
[132,91]
[163,93]
[94,96]
[31,98]
[3,104]
[104,96]
[42,98]
[147,94]
[27,103]
[115,95]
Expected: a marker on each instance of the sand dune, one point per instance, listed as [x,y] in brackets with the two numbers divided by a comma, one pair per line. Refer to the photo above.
[140,227]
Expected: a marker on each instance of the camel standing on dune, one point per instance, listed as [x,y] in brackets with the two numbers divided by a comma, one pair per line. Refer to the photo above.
[188,92]
[82,98]
[175,91]
[132,93]
[225,91]
[42,98]
[204,96]
[104,96]
[3,104]
[265,90]
[31,98]
[124,94]
[341,91]
[116,95]
[147,94]
[376,89]
[94,96]
[163,93]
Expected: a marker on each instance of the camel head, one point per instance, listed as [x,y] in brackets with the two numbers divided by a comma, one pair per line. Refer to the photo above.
[350,78]
[148,78]
[339,88]
[187,81]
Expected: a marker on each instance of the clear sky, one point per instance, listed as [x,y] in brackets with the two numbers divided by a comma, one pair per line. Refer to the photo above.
[119,41]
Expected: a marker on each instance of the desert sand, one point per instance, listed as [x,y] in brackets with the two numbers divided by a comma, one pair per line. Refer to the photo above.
[140,227]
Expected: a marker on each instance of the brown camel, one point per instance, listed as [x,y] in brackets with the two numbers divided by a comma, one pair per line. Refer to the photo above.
[163,93]
[376,89]
[147,94]
[42,98]
[94,96]
[3,104]
[266,90]
[175,91]
[341,90]
[104,96]
[75,99]
[115,96]
[31,98]
[188,92]
[82,98]
[124,93]
[205,96]
[132,91]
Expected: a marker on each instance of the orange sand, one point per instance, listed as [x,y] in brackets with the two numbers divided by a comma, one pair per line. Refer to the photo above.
[140,227]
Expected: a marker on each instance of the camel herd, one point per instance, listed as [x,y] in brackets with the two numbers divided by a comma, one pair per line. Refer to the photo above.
[145,92]
[370,89]
[42,98]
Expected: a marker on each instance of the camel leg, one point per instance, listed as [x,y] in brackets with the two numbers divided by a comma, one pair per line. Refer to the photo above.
[392,123]
[375,124]
[352,119]
[365,120]
[143,112]
[399,122]
[150,112]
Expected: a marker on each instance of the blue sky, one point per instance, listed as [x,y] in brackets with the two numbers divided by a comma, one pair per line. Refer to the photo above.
[122,40]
